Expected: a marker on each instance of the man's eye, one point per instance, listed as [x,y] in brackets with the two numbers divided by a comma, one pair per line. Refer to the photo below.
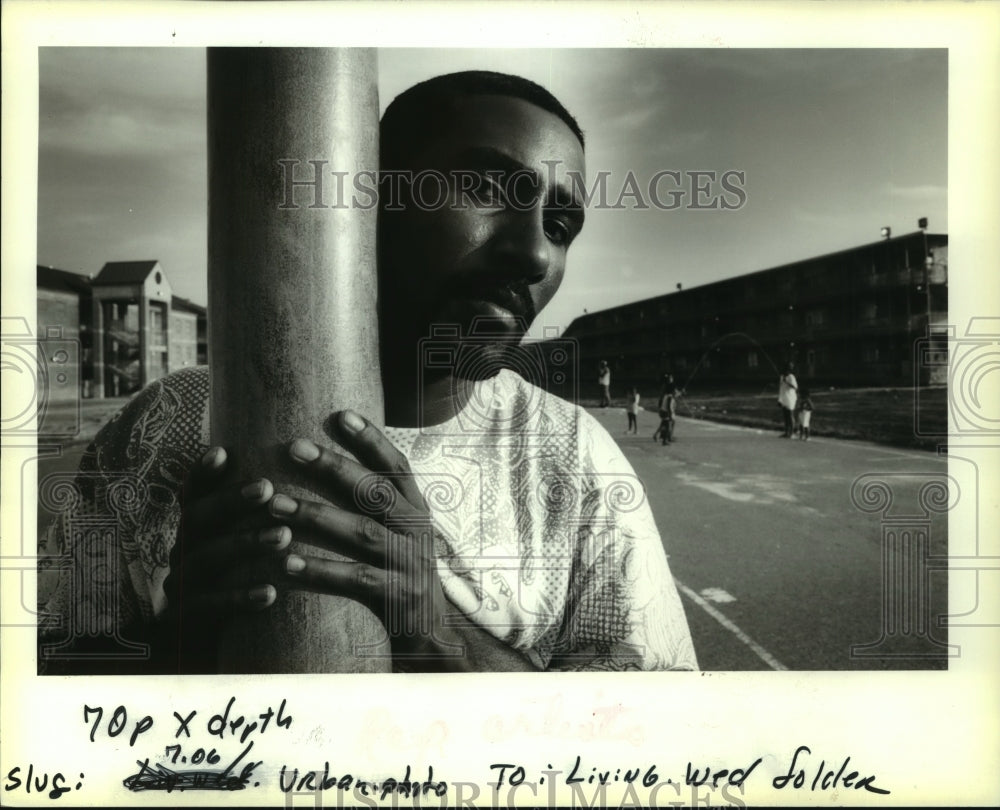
[487,192]
[557,232]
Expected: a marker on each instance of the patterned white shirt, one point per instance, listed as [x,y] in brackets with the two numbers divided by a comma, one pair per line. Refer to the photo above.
[545,537]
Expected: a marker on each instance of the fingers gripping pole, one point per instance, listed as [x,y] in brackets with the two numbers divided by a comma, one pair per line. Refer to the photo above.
[292,304]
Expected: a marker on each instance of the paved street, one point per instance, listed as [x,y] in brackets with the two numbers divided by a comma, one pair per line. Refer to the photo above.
[776,566]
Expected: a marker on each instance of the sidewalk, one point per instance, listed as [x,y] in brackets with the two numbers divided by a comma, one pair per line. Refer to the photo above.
[74,423]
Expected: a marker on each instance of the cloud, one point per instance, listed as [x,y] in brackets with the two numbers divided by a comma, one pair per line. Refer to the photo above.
[924,191]
[122,101]
[808,216]
[110,131]
[633,118]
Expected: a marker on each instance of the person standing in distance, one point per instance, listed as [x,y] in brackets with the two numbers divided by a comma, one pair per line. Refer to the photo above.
[787,397]
[667,408]
[604,382]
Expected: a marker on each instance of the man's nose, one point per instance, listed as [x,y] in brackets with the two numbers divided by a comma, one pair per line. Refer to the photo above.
[523,245]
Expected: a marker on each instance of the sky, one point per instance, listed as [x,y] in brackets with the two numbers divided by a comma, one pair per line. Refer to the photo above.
[831,144]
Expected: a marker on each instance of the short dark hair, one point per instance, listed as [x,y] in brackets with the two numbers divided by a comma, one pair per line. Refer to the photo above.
[417,115]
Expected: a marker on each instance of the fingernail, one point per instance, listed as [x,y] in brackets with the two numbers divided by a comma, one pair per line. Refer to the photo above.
[253,490]
[294,564]
[261,594]
[353,422]
[283,505]
[276,536]
[212,458]
[303,450]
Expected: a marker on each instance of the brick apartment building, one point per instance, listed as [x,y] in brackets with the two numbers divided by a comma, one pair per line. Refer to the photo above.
[851,318]
[128,326]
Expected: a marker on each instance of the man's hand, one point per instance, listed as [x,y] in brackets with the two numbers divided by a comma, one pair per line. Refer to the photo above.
[232,552]
[227,554]
[387,532]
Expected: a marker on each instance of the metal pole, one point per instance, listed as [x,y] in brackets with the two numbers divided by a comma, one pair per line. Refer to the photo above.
[292,305]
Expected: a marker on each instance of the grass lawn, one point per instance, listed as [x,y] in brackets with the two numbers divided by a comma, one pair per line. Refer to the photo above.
[886,415]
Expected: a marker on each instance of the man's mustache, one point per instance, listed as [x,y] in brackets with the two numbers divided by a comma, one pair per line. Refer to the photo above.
[511,294]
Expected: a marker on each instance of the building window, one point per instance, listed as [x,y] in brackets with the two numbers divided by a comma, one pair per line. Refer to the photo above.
[752,359]
[815,317]
[122,361]
[813,273]
[870,353]
[157,324]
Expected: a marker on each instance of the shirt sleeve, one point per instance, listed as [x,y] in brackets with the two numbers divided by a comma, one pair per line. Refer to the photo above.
[88,608]
[623,610]
[106,551]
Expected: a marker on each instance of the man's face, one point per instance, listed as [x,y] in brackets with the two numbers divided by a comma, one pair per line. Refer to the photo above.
[491,245]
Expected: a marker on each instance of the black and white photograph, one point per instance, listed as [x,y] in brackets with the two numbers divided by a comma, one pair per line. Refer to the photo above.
[355,375]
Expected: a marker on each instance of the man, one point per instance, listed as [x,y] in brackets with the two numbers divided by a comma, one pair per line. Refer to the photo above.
[604,383]
[788,389]
[539,540]
[667,407]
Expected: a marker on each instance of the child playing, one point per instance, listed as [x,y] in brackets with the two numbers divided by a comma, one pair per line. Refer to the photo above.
[668,409]
[632,409]
[804,413]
